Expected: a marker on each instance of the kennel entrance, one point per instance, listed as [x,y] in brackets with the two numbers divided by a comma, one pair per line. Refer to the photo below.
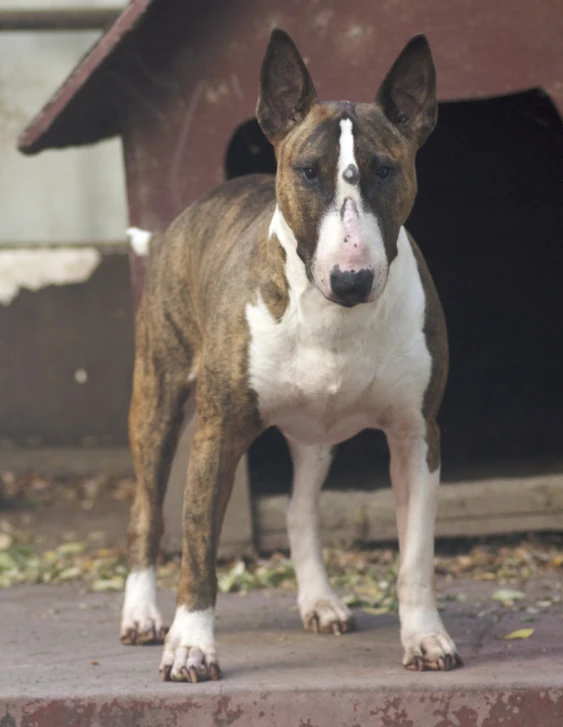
[489,220]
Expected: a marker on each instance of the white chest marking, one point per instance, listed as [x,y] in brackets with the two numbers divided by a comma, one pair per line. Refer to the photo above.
[323,372]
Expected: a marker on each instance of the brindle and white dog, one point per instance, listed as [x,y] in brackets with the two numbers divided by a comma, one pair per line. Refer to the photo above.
[299,302]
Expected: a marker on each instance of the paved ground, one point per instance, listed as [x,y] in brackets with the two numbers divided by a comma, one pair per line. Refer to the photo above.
[61,665]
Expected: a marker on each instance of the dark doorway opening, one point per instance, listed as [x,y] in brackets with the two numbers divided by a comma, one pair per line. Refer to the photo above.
[249,152]
[489,220]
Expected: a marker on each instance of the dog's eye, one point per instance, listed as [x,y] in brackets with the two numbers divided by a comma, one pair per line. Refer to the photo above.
[382,172]
[310,173]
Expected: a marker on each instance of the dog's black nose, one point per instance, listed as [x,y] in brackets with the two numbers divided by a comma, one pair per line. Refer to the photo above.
[351,286]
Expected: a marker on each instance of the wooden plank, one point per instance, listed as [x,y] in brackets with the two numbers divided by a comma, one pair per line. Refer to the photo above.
[468,508]
[68,461]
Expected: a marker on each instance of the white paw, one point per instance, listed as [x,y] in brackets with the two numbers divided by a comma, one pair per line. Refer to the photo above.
[428,646]
[190,654]
[141,622]
[326,614]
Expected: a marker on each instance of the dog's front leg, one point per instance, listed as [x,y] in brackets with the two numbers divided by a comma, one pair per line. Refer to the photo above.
[321,609]
[415,484]
[190,653]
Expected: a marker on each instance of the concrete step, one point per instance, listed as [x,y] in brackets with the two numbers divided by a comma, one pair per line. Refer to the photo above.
[61,665]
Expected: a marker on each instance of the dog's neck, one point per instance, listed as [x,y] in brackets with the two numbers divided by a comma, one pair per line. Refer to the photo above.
[317,314]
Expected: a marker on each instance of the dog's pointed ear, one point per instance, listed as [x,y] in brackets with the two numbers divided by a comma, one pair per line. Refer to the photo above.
[408,93]
[286,89]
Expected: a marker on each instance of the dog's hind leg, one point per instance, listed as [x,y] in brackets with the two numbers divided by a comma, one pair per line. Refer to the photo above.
[321,609]
[160,388]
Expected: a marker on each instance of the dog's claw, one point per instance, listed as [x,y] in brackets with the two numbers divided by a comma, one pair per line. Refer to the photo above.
[447,662]
[328,616]
[165,673]
[214,672]
[129,638]
[135,637]
[192,673]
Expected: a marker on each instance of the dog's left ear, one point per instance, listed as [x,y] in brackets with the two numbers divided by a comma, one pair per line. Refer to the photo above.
[286,88]
[408,93]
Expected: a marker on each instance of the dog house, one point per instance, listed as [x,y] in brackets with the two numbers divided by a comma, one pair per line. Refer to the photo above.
[178,83]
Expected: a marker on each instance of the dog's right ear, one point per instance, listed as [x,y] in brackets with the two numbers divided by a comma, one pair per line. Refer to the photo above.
[286,89]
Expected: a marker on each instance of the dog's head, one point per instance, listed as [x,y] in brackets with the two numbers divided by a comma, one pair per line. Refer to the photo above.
[346,178]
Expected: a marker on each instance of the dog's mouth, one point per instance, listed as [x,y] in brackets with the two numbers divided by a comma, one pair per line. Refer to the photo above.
[349,302]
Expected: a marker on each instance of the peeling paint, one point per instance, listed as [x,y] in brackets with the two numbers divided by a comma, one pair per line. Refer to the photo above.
[38,268]
[214,94]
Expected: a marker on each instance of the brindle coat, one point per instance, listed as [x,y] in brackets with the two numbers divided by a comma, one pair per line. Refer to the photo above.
[217,257]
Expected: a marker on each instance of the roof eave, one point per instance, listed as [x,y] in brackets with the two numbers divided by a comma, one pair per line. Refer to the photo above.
[53,127]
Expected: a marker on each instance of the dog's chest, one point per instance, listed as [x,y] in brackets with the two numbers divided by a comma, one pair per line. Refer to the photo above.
[323,373]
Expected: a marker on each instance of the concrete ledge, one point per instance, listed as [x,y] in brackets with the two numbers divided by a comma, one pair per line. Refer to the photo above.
[62,666]
[68,461]
[470,508]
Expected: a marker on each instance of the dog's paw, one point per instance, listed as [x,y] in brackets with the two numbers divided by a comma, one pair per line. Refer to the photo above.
[189,664]
[142,625]
[328,615]
[141,622]
[433,651]
[190,654]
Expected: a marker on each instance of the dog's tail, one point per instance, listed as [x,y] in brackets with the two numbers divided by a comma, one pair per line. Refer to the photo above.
[139,240]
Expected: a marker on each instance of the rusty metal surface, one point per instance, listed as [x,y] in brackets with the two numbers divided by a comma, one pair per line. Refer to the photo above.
[62,666]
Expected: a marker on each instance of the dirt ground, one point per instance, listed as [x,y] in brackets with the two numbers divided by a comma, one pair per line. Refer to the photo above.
[73,530]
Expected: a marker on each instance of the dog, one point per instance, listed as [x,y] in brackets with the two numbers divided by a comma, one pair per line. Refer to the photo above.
[299,302]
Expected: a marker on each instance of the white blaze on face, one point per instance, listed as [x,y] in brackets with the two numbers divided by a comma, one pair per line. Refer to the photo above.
[349,235]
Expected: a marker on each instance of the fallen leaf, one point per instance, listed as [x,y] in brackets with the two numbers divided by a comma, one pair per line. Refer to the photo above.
[6,541]
[113,584]
[507,594]
[72,548]
[520,634]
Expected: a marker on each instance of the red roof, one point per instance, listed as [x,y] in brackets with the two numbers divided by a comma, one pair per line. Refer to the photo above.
[478,50]
[82,110]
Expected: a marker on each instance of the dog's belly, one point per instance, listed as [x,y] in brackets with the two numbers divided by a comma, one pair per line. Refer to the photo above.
[313,407]
[306,426]
[318,404]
